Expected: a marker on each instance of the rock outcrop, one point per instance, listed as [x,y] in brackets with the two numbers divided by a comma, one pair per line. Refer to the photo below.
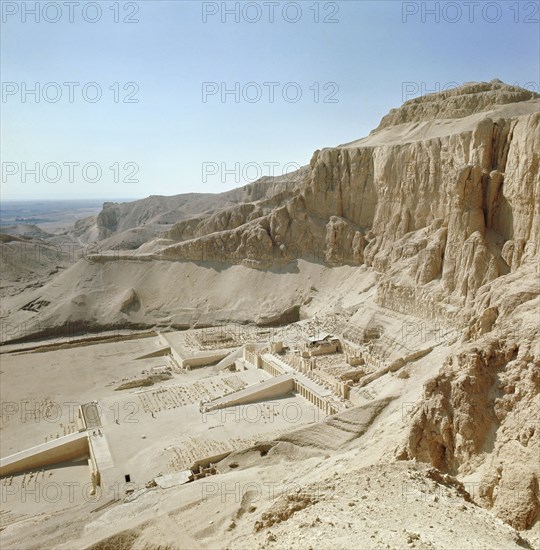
[443,200]
[456,102]
[482,413]
[129,225]
[446,203]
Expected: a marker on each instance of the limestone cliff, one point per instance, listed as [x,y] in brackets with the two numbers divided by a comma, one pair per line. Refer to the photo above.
[440,205]
[443,201]
[128,225]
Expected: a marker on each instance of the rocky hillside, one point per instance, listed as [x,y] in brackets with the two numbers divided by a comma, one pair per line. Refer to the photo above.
[434,215]
[441,207]
[130,224]
[441,201]
[455,103]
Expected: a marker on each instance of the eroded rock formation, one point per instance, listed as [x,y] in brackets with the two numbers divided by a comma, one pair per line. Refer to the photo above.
[442,201]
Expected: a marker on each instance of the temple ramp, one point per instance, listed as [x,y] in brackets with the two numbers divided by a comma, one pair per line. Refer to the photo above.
[264,391]
[63,449]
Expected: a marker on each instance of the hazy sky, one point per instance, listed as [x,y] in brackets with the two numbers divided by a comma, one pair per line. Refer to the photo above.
[334,69]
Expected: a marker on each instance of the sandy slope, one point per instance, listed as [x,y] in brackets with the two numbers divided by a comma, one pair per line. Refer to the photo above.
[181,294]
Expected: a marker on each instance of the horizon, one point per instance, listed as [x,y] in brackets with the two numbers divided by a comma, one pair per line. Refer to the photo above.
[90,199]
[184,106]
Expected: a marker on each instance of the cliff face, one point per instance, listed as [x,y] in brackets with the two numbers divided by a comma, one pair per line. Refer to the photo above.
[449,214]
[439,206]
[129,225]
[481,413]
[443,201]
